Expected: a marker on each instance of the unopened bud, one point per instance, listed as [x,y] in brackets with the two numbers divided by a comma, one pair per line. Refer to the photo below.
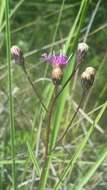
[90,70]
[57,75]
[81,52]
[83,47]
[87,78]
[17,55]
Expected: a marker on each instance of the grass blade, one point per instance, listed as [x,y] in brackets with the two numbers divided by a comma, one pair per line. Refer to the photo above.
[88,174]
[2,11]
[11,111]
[12,12]
[34,160]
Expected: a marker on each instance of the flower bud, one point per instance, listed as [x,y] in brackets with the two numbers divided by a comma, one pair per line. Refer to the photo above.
[81,52]
[17,55]
[57,75]
[83,47]
[90,70]
[87,78]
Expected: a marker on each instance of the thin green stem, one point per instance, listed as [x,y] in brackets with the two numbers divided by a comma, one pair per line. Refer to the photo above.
[91,20]
[12,13]
[11,111]
[50,114]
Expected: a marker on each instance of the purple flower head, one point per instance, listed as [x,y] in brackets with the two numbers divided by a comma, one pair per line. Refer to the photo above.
[56,60]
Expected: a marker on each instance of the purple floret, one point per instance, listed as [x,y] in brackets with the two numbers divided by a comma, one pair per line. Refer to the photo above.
[61,60]
[45,57]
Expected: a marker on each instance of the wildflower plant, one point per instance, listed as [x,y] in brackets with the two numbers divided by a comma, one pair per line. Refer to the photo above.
[56,111]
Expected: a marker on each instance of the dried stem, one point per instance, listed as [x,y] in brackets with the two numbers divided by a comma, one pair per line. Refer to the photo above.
[36,92]
[49,119]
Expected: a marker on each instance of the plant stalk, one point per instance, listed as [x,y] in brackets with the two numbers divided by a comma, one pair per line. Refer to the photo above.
[11,111]
[47,157]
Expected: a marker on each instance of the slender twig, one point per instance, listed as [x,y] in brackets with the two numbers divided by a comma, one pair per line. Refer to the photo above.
[11,111]
[70,123]
[49,118]
[48,126]
[35,90]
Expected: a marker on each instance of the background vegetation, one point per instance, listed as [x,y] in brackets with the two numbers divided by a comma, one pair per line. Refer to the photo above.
[37,27]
